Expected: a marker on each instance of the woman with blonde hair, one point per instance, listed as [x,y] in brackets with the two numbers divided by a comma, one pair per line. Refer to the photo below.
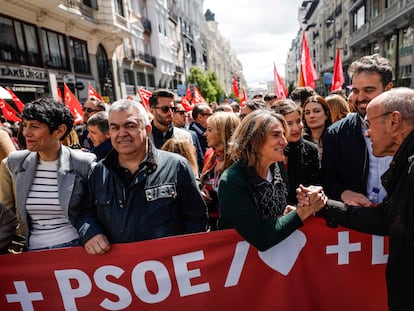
[253,192]
[220,128]
[185,148]
[338,107]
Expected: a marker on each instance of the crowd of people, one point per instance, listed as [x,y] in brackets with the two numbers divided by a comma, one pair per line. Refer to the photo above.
[131,173]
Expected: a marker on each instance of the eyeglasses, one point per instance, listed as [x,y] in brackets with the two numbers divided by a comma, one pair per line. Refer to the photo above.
[89,110]
[181,112]
[367,123]
[206,114]
[166,109]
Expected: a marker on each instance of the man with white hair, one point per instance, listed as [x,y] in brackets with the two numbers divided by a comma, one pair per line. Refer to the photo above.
[138,192]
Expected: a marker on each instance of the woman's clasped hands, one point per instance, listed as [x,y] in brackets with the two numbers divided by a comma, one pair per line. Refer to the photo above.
[311,199]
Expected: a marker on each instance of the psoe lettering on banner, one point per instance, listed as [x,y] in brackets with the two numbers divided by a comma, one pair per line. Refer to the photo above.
[183,276]
[344,248]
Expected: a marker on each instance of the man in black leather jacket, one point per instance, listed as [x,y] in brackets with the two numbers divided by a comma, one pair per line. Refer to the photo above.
[390,127]
[138,192]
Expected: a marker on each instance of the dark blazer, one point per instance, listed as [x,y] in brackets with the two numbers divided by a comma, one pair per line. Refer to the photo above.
[345,159]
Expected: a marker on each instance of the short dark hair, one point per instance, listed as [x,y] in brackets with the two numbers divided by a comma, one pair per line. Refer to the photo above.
[255,104]
[153,100]
[100,120]
[301,93]
[50,112]
[270,96]
[199,109]
[373,63]
[99,104]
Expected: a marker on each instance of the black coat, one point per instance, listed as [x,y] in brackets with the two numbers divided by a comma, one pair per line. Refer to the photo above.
[345,159]
[394,217]
[303,166]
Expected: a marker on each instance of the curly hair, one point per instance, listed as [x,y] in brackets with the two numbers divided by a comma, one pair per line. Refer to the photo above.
[50,112]
[375,64]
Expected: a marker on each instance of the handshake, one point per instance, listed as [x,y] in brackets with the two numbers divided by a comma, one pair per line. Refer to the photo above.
[312,198]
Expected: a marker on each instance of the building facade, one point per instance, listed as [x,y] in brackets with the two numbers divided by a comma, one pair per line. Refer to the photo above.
[357,28]
[115,45]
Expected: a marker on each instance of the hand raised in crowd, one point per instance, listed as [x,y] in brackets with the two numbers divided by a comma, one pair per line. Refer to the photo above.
[354,198]
[98,245]
[310,200]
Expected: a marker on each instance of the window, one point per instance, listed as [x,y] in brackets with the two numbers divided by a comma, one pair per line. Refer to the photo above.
[151,80]
[119,7]
[54,50]
[129,77]
[91,3]
[359,18]
[79,55]
[18,42]
[141,81]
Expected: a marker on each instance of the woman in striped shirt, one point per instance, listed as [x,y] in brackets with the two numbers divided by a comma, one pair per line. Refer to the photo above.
[48,178]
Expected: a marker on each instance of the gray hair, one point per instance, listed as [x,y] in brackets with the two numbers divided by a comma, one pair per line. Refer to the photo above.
[400,99]
[125,104]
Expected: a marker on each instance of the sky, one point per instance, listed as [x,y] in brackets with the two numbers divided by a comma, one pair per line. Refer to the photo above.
[260,32]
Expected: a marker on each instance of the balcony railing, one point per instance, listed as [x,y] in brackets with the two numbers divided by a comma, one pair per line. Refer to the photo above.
[148,58]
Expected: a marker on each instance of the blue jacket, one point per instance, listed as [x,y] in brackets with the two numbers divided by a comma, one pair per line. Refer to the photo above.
[161,200]
[345,159]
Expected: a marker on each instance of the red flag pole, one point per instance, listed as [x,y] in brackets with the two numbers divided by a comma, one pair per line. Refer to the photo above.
[338,75]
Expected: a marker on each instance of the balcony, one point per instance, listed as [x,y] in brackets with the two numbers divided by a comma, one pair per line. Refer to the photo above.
[148,58]
[77,7]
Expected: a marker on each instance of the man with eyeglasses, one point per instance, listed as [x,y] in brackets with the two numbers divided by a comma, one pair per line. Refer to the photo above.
[390,128]
[350,171]
[89,108]
[162,107]
[200,114]
[180,121]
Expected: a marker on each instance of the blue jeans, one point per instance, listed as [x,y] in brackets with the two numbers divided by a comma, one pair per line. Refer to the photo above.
[75,242]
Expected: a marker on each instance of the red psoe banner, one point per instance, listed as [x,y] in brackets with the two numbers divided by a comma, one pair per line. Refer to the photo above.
[316,268]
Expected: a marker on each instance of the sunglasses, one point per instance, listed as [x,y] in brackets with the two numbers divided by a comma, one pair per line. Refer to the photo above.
[89,110]
[166,109]
[181,112]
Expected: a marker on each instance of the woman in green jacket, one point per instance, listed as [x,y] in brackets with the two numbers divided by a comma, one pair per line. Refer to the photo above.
[252,192]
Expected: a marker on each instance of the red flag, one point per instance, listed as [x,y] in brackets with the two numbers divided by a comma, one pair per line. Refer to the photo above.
[8,112]
[235,87]
[186,104]
[279,84]
[73,104]
[198,98]
[19,104]
[243,99]
[188,94]
[59,94]
[307,72]
[93,93]
[144,95]
[338,75]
